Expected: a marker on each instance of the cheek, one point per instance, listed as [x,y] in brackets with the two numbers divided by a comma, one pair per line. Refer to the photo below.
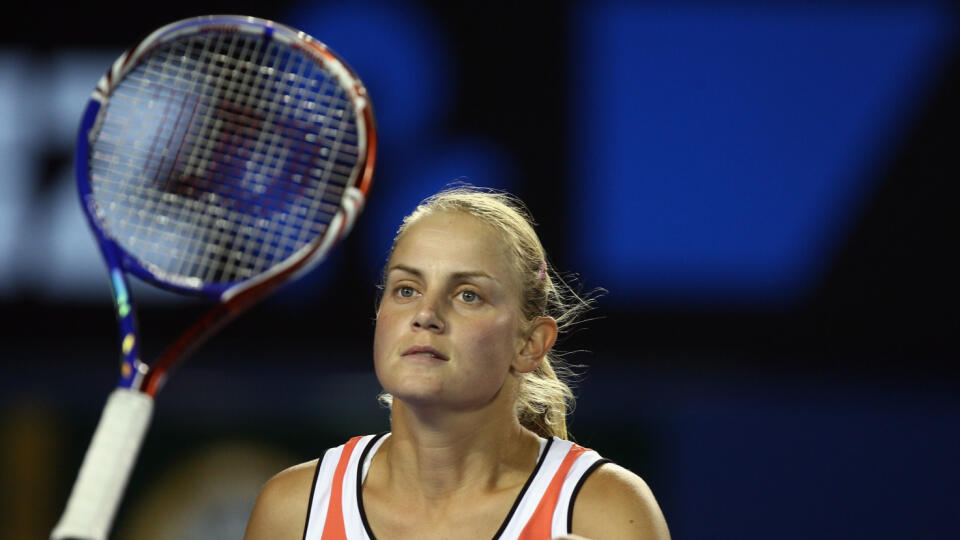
[496,340]
[382,333]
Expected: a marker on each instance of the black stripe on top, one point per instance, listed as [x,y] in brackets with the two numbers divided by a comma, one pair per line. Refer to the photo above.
[313,489]
[363,459]
[516,503]
[576,490]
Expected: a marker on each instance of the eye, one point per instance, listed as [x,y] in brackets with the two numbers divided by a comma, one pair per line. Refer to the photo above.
[406,291]
[469,296]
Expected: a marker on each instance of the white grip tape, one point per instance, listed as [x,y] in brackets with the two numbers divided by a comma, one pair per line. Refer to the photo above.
[106,467]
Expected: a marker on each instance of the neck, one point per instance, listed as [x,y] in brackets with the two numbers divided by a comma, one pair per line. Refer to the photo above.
[439,455]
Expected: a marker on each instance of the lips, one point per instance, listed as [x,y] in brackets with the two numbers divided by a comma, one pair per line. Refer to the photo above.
[423,350]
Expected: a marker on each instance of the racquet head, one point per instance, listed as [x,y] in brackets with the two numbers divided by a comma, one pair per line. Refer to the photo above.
[221,156]
[224,152]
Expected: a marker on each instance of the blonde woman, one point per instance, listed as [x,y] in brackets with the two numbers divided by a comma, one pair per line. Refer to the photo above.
[477,449]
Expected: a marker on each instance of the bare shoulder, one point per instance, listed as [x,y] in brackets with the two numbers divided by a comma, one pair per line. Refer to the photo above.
[281,508]
[615,503]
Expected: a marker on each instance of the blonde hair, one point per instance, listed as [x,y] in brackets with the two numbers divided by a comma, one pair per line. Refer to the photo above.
[544,396]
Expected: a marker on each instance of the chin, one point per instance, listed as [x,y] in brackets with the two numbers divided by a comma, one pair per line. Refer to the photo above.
[420,401]
[437,400]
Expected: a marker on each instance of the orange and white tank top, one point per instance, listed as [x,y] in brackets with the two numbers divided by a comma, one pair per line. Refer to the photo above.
[542,510]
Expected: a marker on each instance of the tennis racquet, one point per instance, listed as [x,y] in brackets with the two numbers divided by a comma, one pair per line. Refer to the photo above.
[220,157]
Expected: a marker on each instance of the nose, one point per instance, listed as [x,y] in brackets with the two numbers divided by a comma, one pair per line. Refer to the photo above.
[428,318]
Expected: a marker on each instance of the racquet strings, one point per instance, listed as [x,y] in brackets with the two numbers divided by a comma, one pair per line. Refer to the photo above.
[220,155]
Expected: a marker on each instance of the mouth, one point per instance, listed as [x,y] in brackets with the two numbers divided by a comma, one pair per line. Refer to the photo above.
[425,351]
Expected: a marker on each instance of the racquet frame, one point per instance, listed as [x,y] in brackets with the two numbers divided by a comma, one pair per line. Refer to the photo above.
[112,453]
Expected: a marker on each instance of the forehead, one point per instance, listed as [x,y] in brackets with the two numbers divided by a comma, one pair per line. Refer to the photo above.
[453,240]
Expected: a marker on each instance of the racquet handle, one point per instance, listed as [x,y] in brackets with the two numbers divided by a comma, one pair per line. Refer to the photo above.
[106,468]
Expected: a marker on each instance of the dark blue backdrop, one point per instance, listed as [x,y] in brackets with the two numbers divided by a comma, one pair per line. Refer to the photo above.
[763,189]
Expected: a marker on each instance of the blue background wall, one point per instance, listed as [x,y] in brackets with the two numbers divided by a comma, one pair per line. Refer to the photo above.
[763,188]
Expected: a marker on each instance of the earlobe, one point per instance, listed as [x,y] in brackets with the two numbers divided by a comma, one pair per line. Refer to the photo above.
[540,339]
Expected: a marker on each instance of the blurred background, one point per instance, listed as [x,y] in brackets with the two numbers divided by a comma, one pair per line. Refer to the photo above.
[763,189]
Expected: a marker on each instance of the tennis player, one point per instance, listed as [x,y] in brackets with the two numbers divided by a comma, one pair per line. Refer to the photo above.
[477,449]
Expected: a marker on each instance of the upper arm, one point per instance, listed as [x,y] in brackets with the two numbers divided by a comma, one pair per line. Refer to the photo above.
[616,504]
[281,508]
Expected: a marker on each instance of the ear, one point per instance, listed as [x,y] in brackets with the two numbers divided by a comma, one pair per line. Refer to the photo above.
[539,340]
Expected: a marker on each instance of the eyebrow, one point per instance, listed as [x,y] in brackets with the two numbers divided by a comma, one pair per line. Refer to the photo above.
[457,276]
